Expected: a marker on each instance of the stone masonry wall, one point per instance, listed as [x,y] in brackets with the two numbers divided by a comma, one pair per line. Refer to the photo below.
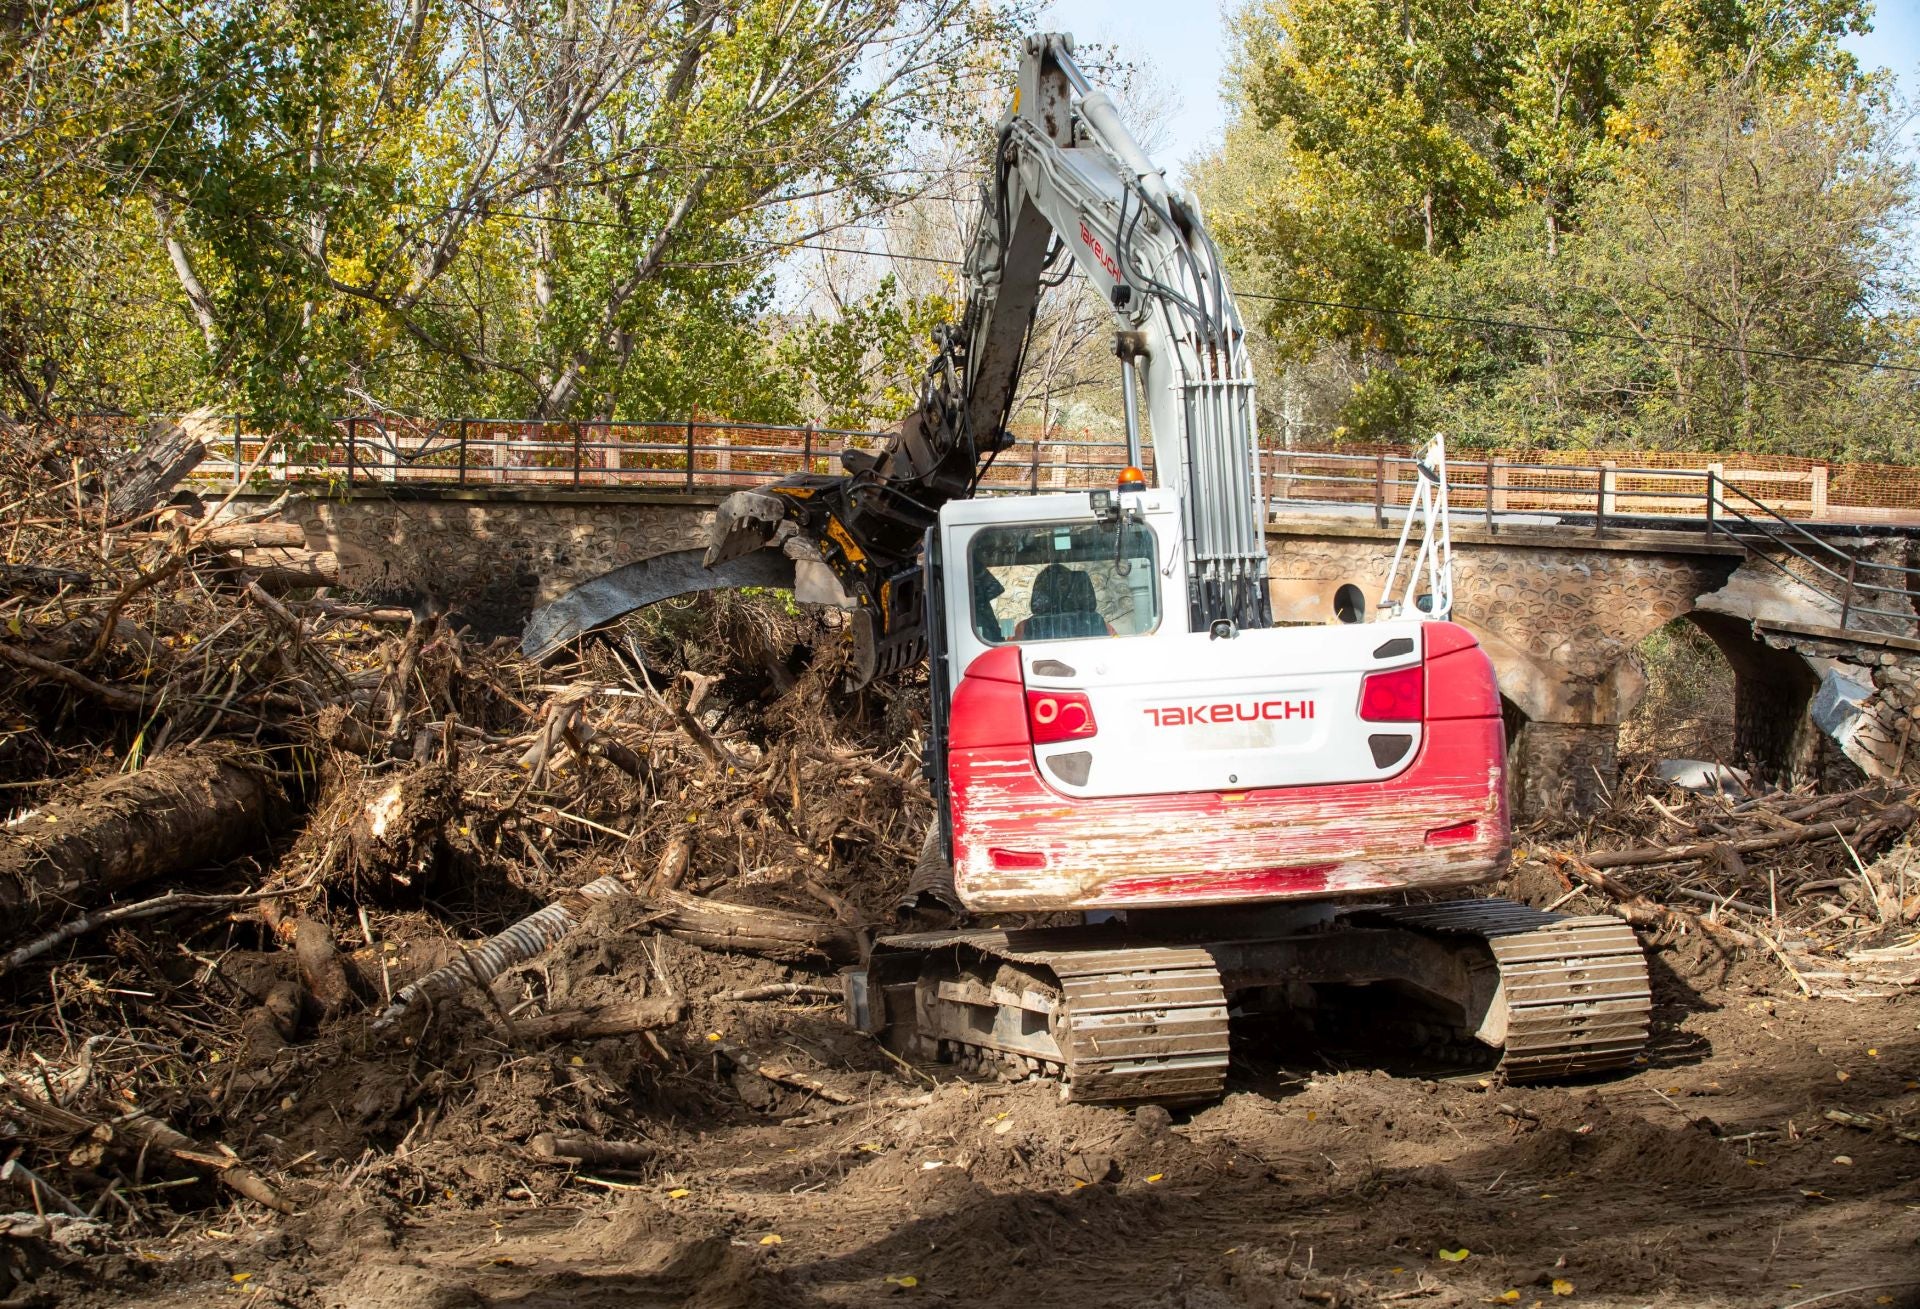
[1559,621]
[493,562]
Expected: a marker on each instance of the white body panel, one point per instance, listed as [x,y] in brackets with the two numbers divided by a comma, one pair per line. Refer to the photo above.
[1179,711]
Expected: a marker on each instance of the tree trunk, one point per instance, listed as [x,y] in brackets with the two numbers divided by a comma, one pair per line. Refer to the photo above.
[279,569]
[180,812]
[774,933]
[142,479]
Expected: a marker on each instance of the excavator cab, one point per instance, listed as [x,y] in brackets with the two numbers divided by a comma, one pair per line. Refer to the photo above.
[1035,578]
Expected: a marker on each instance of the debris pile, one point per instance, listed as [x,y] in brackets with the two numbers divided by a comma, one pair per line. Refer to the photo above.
[1828,885]
[319,915]
[303,892]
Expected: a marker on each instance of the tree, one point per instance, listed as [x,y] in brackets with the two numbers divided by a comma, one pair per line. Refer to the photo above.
[1403,133]
[526,206]
[1750,235]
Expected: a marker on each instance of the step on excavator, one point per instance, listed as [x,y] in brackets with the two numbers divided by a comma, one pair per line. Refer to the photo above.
[1120,733]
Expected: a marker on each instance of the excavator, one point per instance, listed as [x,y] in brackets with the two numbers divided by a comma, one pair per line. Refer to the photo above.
[1213,810]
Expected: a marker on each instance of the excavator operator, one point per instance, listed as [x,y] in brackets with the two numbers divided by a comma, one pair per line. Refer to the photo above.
[1064,605]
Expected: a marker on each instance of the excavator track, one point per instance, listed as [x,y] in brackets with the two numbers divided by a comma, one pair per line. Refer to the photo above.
[1114,1019]
[1117,1015]
[1573,994]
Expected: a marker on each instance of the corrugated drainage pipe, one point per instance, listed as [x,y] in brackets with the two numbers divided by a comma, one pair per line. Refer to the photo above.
[515,946]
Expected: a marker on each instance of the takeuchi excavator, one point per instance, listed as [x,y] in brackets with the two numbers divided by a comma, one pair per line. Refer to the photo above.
[1120,733]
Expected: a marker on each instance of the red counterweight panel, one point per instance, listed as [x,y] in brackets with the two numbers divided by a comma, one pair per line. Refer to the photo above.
[1021,845]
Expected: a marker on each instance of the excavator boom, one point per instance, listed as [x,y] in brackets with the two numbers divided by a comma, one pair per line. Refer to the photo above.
[1068,181]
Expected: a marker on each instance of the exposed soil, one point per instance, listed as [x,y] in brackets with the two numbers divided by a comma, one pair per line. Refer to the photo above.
[230,1107]
[1710,1177]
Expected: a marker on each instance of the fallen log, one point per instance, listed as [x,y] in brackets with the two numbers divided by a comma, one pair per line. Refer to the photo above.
[250,536]
[143,477]
[774,933]
[282,568]
[623,1019]
[592,1151]
[182,811]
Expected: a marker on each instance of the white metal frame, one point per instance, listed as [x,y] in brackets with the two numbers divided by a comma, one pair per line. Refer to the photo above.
[1433,559]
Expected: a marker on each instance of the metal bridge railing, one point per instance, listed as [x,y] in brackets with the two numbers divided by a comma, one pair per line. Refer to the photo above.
[1871,595]
[708,456]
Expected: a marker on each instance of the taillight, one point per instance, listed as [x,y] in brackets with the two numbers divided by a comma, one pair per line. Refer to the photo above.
[1398,696]
[1059,716]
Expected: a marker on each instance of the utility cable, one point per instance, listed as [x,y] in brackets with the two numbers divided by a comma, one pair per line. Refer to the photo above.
[1470,320]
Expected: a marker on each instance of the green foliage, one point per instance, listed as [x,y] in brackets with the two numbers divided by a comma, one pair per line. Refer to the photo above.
[1689,170]
[861,362]
[1748,216]
[560,210]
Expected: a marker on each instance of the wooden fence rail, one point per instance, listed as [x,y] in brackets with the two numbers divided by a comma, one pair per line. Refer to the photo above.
[711,455]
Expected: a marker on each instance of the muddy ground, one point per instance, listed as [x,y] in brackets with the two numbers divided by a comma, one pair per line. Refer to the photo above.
[1710,1177]
[221,1097]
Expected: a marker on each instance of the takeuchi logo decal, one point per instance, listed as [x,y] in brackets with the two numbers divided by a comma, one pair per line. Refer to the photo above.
[1232,711]
[1100,253]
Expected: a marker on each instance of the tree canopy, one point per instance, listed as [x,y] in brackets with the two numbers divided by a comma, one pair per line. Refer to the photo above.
[1578,222]
[558,209]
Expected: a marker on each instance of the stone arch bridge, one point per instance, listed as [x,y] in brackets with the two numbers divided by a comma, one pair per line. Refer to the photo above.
[1560,606]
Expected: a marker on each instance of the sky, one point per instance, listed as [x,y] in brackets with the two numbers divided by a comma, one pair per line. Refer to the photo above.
[1186,45]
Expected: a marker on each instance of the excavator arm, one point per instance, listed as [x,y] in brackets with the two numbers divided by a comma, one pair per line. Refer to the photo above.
[1068,182]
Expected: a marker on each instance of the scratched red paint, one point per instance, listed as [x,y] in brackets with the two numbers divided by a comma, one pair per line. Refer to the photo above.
[1213,847]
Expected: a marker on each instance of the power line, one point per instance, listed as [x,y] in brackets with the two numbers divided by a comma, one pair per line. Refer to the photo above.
[1473,320]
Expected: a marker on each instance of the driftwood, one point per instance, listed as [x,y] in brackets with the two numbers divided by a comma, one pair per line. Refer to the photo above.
[1897,817]
[16,579]
[775,1069]
[233,1174]
[284,568]
[250,536]
[320,967]
[782,991]
[110,695]
[1636,908]
[365,613]
[623,1019]
[672,868]
[592,1150]
[142,478]
[774,933]
[171,902]
[837,1112]
[182,811]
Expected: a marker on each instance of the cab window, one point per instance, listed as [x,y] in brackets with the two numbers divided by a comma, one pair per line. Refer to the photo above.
[1059,581]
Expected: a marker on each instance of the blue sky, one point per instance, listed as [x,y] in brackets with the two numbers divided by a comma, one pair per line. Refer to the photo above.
[1185,44]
